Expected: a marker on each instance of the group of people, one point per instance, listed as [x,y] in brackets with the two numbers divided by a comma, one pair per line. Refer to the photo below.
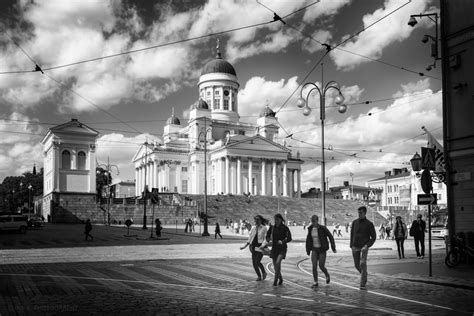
[318,241]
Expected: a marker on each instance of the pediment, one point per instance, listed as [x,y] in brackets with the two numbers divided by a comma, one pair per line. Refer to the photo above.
[144,149]
[74,127]
[257,142]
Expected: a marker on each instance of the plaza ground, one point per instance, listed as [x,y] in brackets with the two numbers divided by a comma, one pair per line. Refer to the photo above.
[55,271]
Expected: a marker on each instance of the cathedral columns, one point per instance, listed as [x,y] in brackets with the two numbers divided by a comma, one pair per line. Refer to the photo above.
[250,187]
[136,181]
[285,180]
[227,175]
[264,180]
[178,178]
[274,178]
[298,185]
[56,166]
[239,175]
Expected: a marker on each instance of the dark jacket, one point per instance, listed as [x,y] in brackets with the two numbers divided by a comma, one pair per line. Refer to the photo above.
[418,229]
[218,229]
[362,233]
[277,233]
[323,234]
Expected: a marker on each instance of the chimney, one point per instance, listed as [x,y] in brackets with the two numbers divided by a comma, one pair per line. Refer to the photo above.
[346,183]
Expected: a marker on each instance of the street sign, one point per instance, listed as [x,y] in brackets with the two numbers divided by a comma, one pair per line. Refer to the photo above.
[371,195]
[428,158]
[426,183]
[154,196]
[427,199]
[372,203]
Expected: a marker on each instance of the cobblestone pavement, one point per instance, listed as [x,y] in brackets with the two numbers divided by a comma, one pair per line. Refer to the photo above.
[214,287]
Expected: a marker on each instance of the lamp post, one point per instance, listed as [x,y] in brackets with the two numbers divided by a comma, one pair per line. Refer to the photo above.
[352,185]
[145,188]
[108,167]
[30,187]
[203,133]
[434,45]
[303,103]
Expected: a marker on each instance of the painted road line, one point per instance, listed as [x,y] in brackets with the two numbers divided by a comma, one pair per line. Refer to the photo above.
[374,308]
[378,293]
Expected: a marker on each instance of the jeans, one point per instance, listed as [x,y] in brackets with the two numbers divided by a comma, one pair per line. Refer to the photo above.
[318,256]
[257,264]
[420,240]
[401,250]
[360,262]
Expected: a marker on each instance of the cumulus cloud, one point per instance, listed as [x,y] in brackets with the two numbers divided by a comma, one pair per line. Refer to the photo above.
[373,41]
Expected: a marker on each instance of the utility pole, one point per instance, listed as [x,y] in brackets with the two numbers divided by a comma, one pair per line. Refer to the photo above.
[145,188]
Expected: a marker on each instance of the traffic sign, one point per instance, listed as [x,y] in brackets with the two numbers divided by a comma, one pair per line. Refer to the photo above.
[428,158]
[372,203]
[154,196]
[427,199]
[426,183]
[371,195]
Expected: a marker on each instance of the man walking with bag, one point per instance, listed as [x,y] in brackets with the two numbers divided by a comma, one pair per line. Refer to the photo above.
[363,236]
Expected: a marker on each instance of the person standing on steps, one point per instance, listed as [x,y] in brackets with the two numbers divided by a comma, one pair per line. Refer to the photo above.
[363,236]
[279,235]
[88,229]
[417,230]
[217,231]
[400,233]
[158,227]
[257,241]
[317,245]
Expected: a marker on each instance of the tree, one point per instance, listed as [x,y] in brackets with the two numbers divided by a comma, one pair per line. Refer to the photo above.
[14,192]
[103,179]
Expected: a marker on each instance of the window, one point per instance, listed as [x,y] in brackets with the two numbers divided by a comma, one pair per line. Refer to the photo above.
[66,160]
[241,132]
[389,200]
[184,169]
[440,185]
[184,186]
[395,188]
[216,92]
[439,197]
[81,160]
[217,103]
[208,101]
[226,104]
[208,93]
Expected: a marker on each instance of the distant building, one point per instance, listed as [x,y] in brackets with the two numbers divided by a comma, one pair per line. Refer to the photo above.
[400,188]
[123,189]
[345,192]
[241,157]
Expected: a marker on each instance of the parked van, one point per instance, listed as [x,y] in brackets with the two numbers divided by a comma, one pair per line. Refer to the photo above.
[14,222]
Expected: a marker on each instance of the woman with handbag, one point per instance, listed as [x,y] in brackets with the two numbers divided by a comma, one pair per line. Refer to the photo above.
[317,245]
[400,233]
[280,236]
[257,242]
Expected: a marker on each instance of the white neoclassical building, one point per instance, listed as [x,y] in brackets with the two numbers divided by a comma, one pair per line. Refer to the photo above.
[241,157]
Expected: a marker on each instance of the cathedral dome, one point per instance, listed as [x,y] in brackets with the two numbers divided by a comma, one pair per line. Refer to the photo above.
[267,112]
[218,65]
[200,104]
[173,120]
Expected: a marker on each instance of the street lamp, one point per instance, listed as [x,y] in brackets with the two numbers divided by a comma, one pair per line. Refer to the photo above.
[203,133]
[108,167]
[30,187]
[145,188]
[434,45]
[303,103]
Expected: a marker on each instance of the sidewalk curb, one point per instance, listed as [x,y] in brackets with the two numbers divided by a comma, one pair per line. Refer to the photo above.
[458,286]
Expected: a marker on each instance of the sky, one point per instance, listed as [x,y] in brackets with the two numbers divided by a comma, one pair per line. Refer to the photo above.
[128,98]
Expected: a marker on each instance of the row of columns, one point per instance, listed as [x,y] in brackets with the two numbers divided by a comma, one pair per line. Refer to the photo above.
[225,178]
[155,176]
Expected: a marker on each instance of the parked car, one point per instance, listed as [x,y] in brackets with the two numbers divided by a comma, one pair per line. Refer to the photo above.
[35,221]
[14,222]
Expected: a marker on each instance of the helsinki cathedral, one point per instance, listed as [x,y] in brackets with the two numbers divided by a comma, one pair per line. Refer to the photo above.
[236,157]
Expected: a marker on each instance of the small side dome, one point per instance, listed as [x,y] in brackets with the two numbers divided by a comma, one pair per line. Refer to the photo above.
[267,112]
[200,104]
[173,120]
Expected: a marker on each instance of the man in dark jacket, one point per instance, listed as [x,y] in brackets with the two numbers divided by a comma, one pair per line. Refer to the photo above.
[417,230]
[363,237]
[317,245]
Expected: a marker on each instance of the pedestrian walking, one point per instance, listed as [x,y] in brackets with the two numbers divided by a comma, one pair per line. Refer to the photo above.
[382,231]
[217,231]
[257,241]
[280,235]
[387,231]
[400,233]
[417,230]
[347,227]
[363,237]
[158,227]
[304,225]
[339,233]
[88,229]
[317,245]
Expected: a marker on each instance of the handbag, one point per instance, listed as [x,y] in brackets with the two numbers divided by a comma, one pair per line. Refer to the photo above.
[266,251]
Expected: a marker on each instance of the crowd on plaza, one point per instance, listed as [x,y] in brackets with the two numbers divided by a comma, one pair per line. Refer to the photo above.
[272,240]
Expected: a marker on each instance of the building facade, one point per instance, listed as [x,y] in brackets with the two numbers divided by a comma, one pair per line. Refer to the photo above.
[399,189]
[69,187]
[233,156]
